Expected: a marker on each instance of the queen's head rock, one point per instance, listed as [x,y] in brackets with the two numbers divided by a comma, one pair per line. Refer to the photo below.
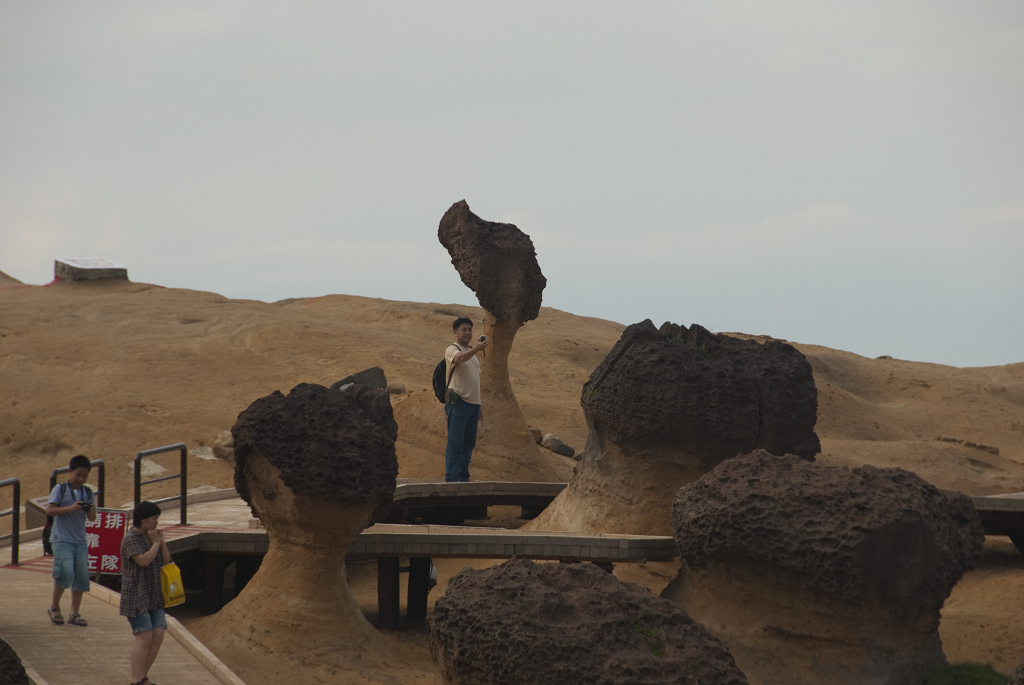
[497,261]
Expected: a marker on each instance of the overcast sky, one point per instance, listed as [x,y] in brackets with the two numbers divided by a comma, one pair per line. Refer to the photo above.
[845,174]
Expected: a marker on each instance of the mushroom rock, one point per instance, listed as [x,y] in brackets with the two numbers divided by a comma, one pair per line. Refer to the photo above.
[498,262]
[814,573]
[664,407]
[522,622]
[315,466]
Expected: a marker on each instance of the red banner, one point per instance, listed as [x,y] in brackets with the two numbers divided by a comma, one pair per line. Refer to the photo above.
[104,539]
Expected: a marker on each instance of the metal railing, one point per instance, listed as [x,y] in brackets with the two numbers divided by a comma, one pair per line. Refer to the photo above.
[14,536]
[180,447]
[101,475]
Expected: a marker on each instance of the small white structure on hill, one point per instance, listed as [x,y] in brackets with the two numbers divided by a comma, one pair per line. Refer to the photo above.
[87,269]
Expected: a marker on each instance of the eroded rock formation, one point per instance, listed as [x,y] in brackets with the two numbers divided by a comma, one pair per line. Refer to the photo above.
[814,573]
[497,262]
[1017,677]
[315,466]
[550,624]
[664,407]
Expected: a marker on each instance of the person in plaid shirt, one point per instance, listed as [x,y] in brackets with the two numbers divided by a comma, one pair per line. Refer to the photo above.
[143,552]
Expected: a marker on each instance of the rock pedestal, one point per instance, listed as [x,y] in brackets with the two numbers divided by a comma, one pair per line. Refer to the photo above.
[552,624]
[812,573]
[497,262]
[315,466]
[664,407]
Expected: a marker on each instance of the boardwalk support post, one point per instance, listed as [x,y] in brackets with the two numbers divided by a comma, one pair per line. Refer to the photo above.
[387,593]
[419,586]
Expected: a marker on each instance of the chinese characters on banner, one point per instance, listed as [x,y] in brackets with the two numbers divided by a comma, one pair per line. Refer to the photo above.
[104,539]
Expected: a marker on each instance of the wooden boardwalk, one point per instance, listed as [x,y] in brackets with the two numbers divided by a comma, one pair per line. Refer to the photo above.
[432,501]
[1003,515]
[223,531]
[97,654]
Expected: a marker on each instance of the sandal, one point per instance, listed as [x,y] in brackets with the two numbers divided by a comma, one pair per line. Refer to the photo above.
[77,620]
[55,616]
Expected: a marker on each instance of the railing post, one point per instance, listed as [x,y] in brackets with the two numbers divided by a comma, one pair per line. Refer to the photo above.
[184,486]
[15,512]
[180,447]
[101,479]
[137,476]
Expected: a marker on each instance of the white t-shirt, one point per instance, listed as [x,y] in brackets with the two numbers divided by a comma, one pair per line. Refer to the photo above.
[466,379]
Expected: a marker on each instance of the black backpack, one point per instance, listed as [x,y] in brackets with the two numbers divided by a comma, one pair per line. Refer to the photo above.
[440,383]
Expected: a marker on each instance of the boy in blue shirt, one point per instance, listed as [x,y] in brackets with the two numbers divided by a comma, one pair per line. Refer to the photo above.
[70,504]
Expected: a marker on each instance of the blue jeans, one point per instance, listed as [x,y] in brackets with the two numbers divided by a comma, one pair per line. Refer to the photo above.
[462,421]
[148,620]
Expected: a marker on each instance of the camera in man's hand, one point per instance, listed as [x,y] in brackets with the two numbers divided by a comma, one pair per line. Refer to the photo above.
[86,506]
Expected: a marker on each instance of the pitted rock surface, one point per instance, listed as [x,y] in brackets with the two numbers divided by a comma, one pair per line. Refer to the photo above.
[711,395]
[522,622]
[330,445]
[880,535]
[12,671]
[496,261]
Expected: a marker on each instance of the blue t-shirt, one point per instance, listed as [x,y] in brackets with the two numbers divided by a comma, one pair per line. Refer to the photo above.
[69,527]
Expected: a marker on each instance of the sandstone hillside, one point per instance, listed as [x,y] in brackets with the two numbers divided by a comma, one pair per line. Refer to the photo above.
[111,368]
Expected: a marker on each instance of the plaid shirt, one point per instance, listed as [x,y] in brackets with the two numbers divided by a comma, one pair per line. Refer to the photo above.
[140,586]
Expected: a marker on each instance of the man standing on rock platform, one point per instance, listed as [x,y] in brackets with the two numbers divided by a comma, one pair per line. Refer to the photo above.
[462,405]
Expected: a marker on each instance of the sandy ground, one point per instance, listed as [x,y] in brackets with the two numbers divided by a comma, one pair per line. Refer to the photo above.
[107,369]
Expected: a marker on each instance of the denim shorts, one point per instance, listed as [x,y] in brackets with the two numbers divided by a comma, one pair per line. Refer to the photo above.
[71,566]
[148,620]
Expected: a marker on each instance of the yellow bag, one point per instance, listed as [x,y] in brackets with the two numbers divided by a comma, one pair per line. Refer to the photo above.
[170,583]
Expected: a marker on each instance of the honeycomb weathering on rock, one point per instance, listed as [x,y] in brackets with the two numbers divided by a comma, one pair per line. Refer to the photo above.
[881,535]
[665,406]
[315,466]
[711,395]
[522,622]
[330,445]
[496,261]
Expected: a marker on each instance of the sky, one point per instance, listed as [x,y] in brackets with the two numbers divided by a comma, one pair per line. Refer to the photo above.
[842,174]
